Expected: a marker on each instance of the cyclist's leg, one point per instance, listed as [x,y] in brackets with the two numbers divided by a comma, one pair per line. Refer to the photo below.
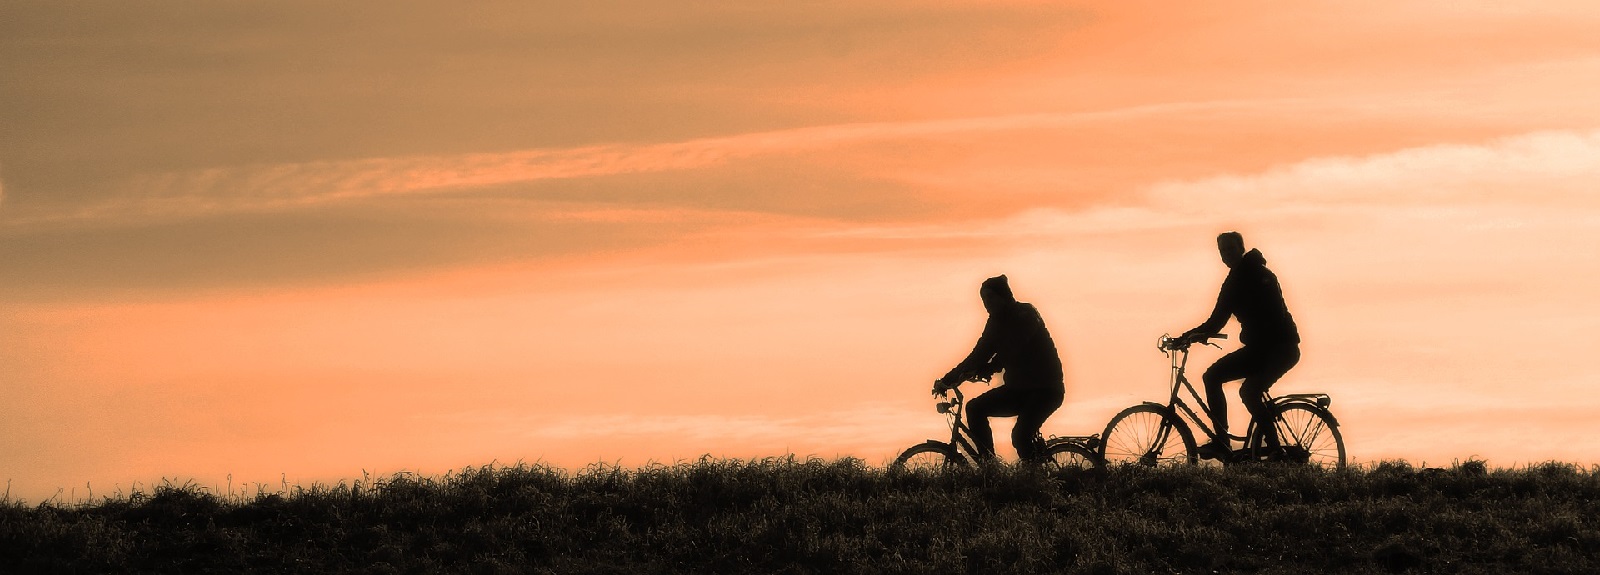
[998,402]
[1037,407]
[1273,363]
[1236,365]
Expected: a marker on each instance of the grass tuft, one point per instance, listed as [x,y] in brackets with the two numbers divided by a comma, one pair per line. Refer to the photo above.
[808,515]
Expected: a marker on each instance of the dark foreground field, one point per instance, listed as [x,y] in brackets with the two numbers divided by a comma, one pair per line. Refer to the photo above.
[813,516]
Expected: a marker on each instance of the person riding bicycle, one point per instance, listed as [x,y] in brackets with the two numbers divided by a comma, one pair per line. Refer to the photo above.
[1016,342]
[1271,342]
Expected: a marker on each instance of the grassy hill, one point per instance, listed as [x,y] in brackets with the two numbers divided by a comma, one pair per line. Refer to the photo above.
[785,515]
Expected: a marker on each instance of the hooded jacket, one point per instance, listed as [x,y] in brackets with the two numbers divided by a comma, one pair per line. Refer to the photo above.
[1251,293]
[1015,340]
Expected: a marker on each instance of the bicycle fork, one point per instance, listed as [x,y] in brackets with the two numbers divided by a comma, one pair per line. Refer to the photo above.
[1154,455]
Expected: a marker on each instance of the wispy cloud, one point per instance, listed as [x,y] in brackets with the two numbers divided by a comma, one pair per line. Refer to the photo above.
[1534,167]
[1547,170]
[267,187]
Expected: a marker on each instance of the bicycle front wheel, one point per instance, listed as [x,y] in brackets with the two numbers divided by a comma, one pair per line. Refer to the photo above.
[1070,455]
[1307,435]
[930,456]
[1147,435]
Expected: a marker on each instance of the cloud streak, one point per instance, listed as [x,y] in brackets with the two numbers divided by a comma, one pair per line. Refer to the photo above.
[270,187]
[1558,160]
[1547,170]
[1534,167]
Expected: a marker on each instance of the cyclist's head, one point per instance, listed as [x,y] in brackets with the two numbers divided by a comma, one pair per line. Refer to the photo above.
[1231,246]
[995,292]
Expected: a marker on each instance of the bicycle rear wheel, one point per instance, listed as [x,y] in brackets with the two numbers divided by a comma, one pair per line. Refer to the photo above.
[1307,434]
[1070,455]
[929,456]
[1147,435]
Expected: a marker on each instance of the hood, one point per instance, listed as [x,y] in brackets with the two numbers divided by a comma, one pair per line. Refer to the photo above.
[1254,258]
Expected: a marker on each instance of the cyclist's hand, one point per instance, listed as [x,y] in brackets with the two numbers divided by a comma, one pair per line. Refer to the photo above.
[1190,338]
[938,386]
[1193,337]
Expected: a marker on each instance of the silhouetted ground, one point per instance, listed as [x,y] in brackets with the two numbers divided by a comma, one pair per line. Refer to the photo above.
[811,516]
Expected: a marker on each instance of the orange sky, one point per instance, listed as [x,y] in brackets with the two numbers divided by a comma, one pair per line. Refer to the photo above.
[298,242]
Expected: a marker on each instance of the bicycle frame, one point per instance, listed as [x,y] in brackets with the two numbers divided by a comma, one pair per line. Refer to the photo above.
[1299,426]
[1188,416]
[959,432]
[1180,359]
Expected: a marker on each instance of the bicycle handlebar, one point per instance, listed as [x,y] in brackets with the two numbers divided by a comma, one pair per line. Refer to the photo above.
[1180,343]
[954,403]
[966,377]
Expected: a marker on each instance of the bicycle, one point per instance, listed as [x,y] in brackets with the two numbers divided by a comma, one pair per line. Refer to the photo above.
[960,452]
[1155,434]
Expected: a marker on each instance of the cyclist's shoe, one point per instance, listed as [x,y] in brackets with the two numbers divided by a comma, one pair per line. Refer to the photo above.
[1215,450]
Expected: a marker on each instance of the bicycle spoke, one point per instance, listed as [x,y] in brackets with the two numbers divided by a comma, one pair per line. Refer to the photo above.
[1305,429]
[1312,432]
[1070,456]
[1138,441]
[929,457]
[1141,435]
[1295,433]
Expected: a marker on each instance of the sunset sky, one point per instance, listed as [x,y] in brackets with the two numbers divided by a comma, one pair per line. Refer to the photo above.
[299,241]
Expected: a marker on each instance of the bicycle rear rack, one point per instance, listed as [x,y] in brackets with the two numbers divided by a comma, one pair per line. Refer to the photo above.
[1088,441]
[1318,399]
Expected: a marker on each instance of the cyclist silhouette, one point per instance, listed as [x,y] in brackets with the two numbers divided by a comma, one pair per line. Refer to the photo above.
[1015,341]
[1271,342]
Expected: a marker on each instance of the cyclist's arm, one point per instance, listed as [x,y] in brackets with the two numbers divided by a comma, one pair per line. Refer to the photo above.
[979,361]
[1219,314]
